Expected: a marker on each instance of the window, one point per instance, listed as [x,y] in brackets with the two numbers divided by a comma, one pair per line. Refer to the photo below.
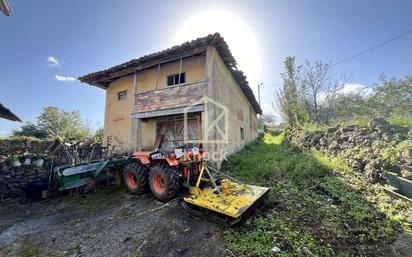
[174,79]
[242,134]
[121,95]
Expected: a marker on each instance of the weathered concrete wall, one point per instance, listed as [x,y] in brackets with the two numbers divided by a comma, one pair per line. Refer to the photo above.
[193,67]
[224,89]
[117,120]
[119,128]
[148,134]
[205,76]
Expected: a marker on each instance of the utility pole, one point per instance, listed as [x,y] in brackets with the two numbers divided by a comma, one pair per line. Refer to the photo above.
[259,85]
[260,115]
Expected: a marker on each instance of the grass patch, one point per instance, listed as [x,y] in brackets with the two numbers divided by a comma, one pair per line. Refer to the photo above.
[24,248]
[101,199]
[361,121]
[400,120]
[364,121]
[396,210]
[30,251]
[312,210]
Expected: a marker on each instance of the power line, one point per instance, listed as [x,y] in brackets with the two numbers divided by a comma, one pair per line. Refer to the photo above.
[373,48]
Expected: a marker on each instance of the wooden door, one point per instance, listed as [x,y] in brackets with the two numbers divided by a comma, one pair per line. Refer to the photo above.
[173,132]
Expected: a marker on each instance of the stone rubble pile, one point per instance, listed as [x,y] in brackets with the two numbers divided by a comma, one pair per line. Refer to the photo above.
[22,145]
[16,178]
[365,149]
[25,161]
[19,167]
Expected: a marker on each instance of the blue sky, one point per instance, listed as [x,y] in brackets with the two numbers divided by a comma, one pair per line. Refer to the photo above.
[86,36]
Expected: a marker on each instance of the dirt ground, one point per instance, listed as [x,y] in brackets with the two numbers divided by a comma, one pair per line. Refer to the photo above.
[107,223]
[111,222]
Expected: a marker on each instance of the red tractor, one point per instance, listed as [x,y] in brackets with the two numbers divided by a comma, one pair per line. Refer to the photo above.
[158,171]
[165,174]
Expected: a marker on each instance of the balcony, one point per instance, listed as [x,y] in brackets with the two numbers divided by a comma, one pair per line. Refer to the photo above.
[169,100]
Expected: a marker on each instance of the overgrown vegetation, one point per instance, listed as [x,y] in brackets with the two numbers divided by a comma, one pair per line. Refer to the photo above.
[313,94]
[312,210]
[53,122]
[397,210]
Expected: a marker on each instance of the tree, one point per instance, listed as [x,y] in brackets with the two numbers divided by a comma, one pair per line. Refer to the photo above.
[98,135]
[54,122]
[388,98]
[268,120]
[58,122]
[392,97]
[332,94]
[311,93]
[315,78]
[291,98]
[348,106]
[30,130]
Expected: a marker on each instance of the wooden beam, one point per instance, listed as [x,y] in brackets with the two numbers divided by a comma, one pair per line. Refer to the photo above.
[180,70]
[157,75]
[145,65]
[159,113]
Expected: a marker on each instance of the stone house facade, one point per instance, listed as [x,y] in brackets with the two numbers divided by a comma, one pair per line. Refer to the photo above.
[191,94]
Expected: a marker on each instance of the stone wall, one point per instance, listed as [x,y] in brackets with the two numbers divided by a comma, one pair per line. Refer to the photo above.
[16,178]
[22,145]
[25,161]
[371,150]
[19,166]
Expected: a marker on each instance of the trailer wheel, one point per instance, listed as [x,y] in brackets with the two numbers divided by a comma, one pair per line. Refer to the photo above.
[135,178]
[118,178]
[164,182]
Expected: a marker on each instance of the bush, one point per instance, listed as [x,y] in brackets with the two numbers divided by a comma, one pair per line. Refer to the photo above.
[311,211]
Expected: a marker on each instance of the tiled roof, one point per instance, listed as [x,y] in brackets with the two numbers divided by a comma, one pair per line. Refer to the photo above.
[198,46]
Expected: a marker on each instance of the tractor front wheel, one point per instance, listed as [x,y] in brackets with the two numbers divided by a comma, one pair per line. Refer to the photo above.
[164,182]
[135,178]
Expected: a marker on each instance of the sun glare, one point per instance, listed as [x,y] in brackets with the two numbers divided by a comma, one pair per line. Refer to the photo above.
[237,33]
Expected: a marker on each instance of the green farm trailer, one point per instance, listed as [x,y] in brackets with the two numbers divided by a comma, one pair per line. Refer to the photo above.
[81,175]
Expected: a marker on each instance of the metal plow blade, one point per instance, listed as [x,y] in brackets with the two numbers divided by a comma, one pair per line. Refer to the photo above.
[233,200]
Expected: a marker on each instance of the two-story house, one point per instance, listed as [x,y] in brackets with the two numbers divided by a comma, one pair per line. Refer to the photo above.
[188,94]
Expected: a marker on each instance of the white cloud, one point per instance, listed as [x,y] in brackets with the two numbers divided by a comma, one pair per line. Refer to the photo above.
[267,107]
[353,89]
[347,89]
[53,61]
[65,78]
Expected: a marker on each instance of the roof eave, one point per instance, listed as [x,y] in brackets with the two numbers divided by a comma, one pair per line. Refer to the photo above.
[7,114]
[103,78]
[5,8]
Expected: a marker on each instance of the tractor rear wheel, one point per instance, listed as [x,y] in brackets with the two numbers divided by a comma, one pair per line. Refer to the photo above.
[135,178]
[164,182]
